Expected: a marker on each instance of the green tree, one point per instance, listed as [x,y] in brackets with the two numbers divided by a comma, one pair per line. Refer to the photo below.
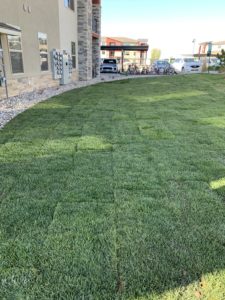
[221,57]
[155,54]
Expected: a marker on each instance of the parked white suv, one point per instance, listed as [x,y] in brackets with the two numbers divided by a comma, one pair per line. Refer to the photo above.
[187,65]
[109,66]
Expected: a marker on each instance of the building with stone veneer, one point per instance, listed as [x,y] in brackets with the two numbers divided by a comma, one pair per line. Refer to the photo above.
[31,29]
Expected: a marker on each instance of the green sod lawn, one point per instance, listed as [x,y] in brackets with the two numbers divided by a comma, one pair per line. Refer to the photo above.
[116,191]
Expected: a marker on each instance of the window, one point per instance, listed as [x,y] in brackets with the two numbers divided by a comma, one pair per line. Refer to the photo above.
[73,54]
[15,52]
[189,60]
[69,4]
[111,53]
[109,61]
[43,48]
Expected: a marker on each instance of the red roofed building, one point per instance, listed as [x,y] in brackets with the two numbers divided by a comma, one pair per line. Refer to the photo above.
[135,57]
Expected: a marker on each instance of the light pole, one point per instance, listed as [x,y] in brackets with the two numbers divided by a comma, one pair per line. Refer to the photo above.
[193,50]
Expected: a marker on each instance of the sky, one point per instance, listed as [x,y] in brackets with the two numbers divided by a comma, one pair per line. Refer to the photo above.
[170,25]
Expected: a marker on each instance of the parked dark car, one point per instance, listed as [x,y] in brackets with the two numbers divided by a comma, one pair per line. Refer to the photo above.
[109,66]
[163,67]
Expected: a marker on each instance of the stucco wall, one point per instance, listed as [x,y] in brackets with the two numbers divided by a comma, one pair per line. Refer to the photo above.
[68,29]
[33,16]
[67,25]
[42,17]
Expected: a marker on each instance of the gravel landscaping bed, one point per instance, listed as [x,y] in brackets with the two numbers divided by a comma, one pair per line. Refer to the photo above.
[11,107]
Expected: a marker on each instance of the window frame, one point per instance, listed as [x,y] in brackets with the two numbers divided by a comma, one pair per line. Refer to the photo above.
[111,53]
[73,54]
[11,50]
[69,4]
[41,52]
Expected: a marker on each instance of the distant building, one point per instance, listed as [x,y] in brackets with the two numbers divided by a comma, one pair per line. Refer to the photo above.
[31,29]
[216,48]
[136,57]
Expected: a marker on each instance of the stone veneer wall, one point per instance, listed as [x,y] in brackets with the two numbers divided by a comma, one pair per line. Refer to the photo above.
[22,85]
[84,16]
[96,42]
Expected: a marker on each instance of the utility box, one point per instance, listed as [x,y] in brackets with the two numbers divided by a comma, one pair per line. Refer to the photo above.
[66,75]
[62,66]
[57,64]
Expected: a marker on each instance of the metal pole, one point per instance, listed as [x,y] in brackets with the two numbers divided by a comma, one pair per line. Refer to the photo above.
[4,73]
[193,51]
[122,60]
[6,85]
